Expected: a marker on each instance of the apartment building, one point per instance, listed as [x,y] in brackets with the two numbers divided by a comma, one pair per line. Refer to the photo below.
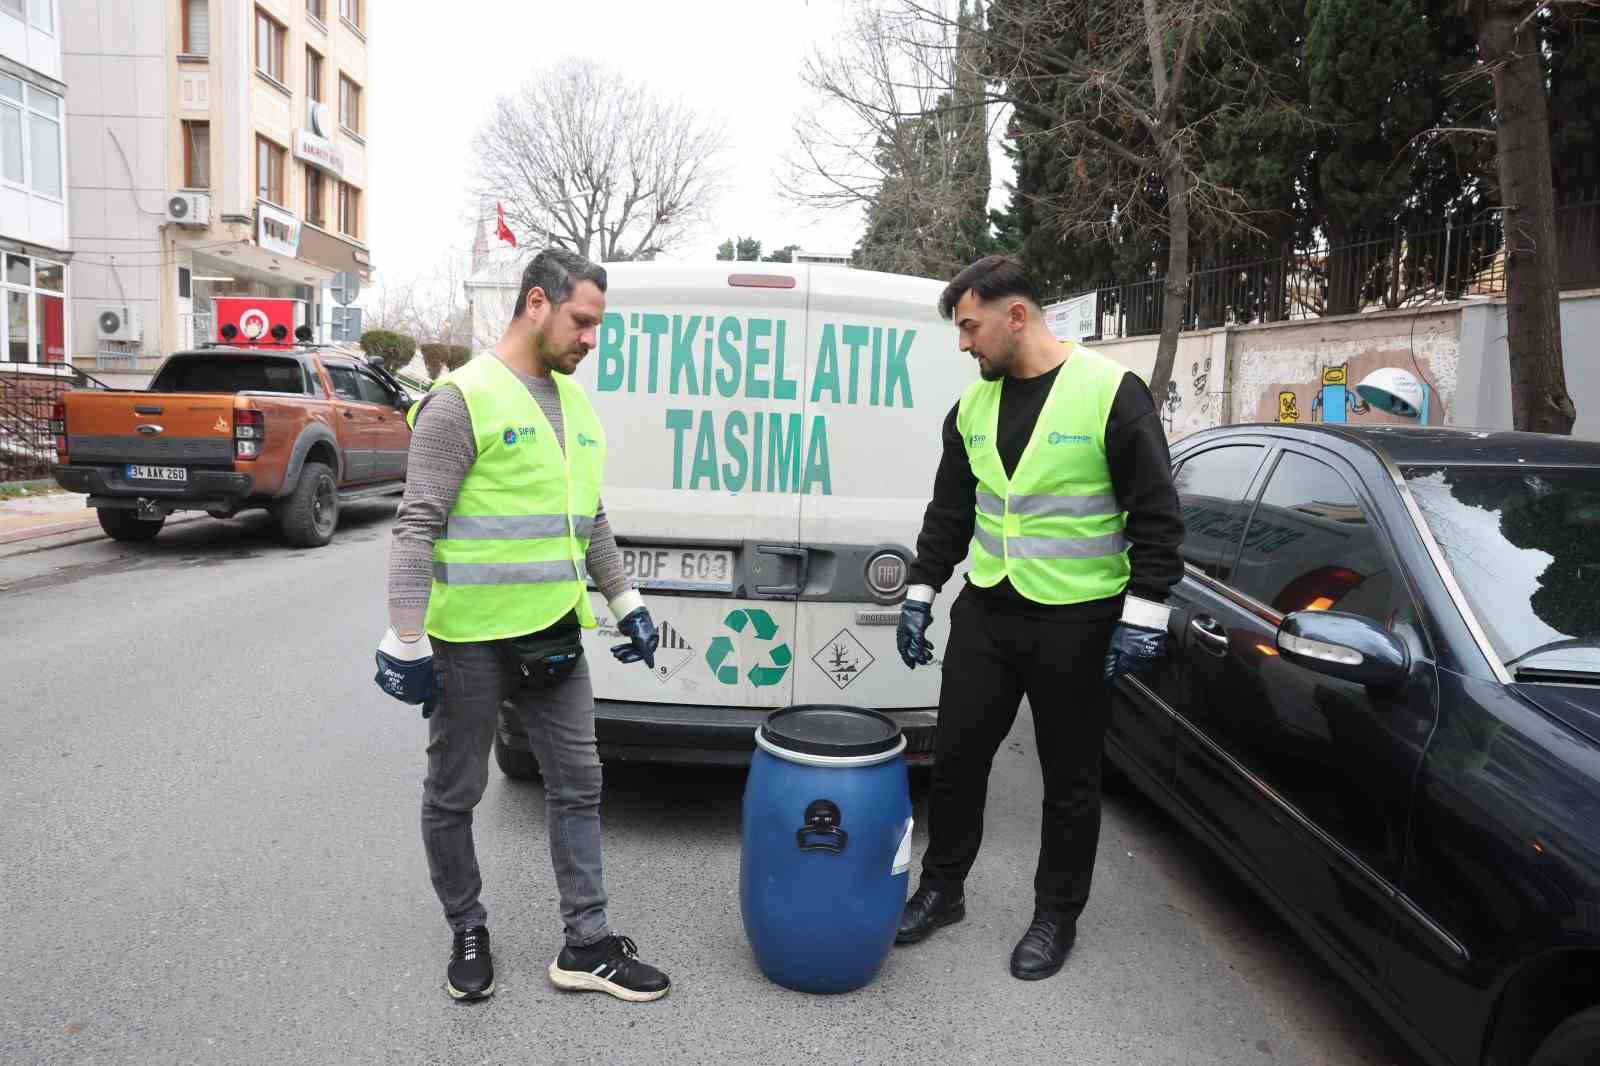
[33,185]
[218,149]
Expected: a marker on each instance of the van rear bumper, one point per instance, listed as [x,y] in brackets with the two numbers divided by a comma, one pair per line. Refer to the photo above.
[715,736]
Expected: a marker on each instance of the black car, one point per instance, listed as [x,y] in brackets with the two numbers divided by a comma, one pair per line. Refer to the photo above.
[1382,708]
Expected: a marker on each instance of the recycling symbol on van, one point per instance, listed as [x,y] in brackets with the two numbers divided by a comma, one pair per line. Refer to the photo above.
[774,663]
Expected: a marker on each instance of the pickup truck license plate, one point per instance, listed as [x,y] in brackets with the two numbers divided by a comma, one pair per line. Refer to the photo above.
[683,569]
[157,473]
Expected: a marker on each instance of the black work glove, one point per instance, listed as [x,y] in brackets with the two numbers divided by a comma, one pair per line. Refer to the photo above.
[1133,649]
[405,671]
[911,635]
[640,630]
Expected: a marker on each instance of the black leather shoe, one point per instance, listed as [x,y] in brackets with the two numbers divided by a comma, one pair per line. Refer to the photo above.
[928,909]
[1043,948]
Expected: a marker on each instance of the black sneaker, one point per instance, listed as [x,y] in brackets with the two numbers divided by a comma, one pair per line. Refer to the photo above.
[471,971]
[610,965]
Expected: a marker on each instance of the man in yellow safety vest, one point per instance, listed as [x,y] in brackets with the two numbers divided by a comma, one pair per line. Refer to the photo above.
[500,523]
[1056,486]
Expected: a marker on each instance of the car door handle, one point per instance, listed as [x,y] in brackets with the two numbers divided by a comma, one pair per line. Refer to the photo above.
[1209,634]
[349,414]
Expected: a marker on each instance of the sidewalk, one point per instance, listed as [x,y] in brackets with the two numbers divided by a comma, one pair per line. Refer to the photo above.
[30,517]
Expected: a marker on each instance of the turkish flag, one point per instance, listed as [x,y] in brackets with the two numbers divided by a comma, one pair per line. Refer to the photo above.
[501,230]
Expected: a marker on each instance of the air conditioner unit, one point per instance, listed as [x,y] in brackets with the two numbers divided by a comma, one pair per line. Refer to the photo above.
[119,323]
[189,208]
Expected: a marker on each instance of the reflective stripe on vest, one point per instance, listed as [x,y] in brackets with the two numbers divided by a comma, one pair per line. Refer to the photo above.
[1053,528]
[511,560]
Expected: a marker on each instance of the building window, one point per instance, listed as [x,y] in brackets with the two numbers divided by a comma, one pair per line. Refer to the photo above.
[269,46]
[30,137]
[35,311]
[197,155]
[313,76]
[315,197]
[43,15]
[350,11]
[317,9]
[349,104]
[12,7]
[349,211]
[269,171]
[197,27]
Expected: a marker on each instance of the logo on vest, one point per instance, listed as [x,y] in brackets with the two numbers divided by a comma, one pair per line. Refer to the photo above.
[1067,438]
[976,439]
[586,441]
[515,433]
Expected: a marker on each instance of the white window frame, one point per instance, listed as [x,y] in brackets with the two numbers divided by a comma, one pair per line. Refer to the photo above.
[30,114]
[31,292]
[48,7]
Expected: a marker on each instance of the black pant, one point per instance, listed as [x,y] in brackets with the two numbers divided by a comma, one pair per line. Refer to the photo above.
[995,656]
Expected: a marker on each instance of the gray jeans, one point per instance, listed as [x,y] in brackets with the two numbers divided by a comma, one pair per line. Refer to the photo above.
[559,721]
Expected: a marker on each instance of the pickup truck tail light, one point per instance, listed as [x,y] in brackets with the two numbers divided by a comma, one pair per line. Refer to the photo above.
[58,429]
[249,433]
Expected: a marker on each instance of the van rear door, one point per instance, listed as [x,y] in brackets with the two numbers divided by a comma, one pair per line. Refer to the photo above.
[883,371]
[697,379]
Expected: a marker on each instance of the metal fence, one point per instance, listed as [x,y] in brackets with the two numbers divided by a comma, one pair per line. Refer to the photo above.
[1406,269]
[28,395]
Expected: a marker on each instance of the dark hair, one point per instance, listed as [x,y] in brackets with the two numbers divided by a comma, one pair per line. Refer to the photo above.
[989,278]
[556,271]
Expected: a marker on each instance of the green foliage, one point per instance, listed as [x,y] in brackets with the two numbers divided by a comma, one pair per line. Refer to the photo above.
[396,349]
[439,358]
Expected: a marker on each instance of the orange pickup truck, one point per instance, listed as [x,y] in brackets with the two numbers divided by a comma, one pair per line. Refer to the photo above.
[297,431]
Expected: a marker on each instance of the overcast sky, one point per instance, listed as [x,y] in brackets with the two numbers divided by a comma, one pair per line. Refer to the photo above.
[434,77]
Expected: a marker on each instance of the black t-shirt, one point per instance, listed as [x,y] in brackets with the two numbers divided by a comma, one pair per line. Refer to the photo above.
[1141,473]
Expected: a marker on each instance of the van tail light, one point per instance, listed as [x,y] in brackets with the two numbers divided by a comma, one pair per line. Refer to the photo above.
[58,429]
[249,433]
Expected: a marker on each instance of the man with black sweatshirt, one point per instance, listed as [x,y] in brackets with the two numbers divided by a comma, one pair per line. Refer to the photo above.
[1056,481]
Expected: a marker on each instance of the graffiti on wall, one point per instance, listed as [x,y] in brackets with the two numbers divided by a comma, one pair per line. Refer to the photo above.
[1191,405]
[1332,397]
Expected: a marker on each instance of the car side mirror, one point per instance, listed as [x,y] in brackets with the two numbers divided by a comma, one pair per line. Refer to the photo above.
[1346,646]
[403,401]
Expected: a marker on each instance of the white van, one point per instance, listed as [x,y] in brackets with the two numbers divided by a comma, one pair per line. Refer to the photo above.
[773,433]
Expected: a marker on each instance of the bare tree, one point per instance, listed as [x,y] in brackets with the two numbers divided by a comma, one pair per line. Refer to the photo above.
[1508,42]
[583,157]
[1106,84]
[901,132]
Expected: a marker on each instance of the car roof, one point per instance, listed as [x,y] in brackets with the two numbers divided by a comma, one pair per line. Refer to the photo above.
[1435,445]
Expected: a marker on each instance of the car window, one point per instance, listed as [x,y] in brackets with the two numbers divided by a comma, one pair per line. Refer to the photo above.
[313,380]
[373,390]
[346,383]
[1524,545]
[1210,487]
[230,373]
[1310,546]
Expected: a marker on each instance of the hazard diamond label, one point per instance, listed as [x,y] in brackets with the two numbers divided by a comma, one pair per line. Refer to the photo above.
[672,654]
[843,659]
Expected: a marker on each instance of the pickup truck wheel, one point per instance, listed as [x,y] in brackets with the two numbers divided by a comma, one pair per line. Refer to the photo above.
[122,524]
[1575,1042]
[518,765]
[311,513]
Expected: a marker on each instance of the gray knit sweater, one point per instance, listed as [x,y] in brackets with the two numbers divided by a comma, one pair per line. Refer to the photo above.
[442,452]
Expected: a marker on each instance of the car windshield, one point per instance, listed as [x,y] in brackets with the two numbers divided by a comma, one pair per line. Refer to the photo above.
[230,373]
[1524,544]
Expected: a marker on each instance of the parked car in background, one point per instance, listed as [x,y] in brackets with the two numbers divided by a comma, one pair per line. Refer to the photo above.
[1382,708]
[295,430]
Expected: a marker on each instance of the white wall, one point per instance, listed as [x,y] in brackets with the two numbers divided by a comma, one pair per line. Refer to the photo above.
[1485,378]
[117,139]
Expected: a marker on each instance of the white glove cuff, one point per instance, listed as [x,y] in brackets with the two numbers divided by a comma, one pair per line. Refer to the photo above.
[921,593]
[626,604]
[407,651]
[1150,615]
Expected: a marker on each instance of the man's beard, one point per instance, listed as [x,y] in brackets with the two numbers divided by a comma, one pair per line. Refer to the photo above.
[547,355]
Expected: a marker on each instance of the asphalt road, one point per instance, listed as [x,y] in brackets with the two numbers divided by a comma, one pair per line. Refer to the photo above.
[210,854]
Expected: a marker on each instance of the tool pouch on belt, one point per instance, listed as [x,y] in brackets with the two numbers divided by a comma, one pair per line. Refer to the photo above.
[548,656]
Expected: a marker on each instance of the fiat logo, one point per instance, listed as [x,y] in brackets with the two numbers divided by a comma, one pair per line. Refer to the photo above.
[886,573]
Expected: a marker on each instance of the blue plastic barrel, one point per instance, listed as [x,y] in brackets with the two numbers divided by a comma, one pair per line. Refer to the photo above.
[827,846]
